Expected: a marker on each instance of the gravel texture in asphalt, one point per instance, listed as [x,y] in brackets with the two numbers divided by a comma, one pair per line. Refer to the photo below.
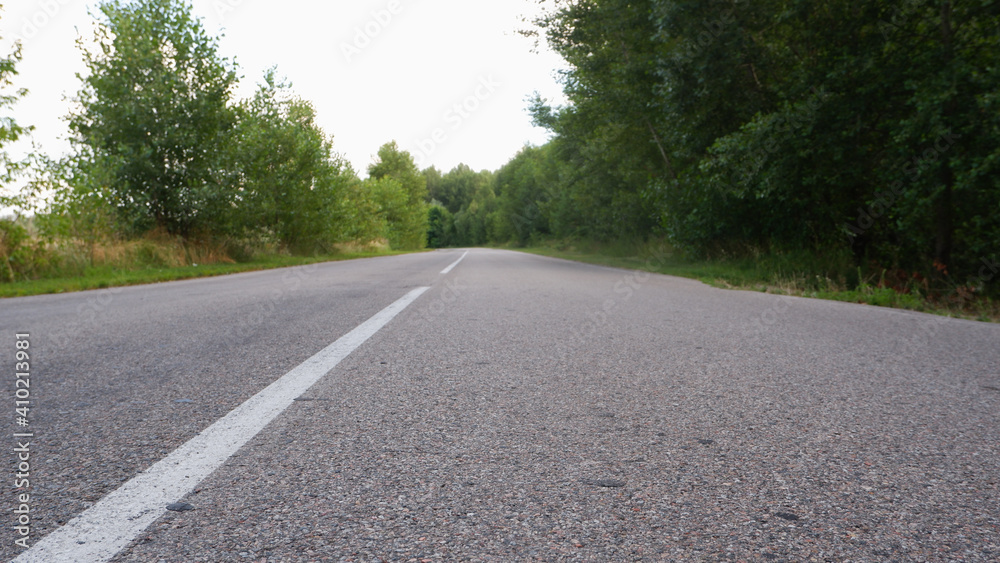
[524,408]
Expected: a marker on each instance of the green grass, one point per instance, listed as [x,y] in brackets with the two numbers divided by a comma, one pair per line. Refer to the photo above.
[799,274]
[660,258]
[104,277]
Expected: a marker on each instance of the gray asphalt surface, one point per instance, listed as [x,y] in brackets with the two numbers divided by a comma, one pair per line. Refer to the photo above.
[524,408]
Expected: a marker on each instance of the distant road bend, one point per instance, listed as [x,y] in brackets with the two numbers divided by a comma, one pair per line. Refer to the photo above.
[494,405]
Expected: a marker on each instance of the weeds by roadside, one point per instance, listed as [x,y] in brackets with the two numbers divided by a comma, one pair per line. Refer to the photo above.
[31,265]
[792,274]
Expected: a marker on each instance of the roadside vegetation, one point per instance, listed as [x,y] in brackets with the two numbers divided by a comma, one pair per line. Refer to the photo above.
[780,275]
[172,177]
[154,259]
[839,149]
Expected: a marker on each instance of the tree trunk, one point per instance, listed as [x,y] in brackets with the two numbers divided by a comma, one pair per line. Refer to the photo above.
[943,206]
[663,152]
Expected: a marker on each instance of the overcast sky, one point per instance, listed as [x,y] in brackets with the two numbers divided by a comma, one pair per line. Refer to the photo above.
[447,79]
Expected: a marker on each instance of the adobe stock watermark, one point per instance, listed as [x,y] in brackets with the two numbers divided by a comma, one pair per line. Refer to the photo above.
[931,325]
[902,13]
[886,199]
[445,298]
[45,12]
[224,7]
[23,354]
[990,269]
[772,314]
[456,116]
[712,32]
[780,127]
[291,282]
[621,292]
[366,33]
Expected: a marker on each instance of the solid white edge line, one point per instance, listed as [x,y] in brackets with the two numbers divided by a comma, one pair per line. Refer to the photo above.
[452,267]
[101,531]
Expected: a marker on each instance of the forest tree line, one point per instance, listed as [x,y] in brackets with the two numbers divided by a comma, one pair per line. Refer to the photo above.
[865,133]
[162,149]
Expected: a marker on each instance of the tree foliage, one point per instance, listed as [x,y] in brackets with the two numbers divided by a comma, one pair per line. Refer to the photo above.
[401,192]
[464,207]
[155,106]
[861,129]
[14,244]
[864,132]
[289,184]
[161,145]
[10,130]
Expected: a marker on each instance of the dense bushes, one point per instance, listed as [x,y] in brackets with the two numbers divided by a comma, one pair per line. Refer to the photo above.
[167,164]
[868,130]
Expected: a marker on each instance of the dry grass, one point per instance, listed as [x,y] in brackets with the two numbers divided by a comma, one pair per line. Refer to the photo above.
[153,250]
[36,258]
[377,245]
[76,265]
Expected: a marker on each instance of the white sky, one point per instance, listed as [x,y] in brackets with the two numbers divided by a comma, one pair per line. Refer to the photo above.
[373,75]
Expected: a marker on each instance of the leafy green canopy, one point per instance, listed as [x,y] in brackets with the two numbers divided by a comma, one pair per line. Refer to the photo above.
[13,236]
[155,108]
[464,207]
[401,192]
[849,129]
[10,131]
[289,184]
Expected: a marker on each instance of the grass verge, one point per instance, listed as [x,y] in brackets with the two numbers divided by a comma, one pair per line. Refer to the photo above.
[783,275]
[107,276]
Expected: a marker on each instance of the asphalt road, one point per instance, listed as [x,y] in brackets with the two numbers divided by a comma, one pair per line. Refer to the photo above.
[521,408]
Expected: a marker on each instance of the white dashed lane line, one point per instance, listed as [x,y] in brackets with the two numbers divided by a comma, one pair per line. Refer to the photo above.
[107,527]
[456,263]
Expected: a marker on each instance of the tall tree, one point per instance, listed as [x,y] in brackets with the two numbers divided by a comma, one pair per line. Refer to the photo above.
[10,130]
[611,130]
[12,235]
[433,177]
[155,103]
[291,185]
[460,187]
[524,199]
[409,211]
[945,149]
[440,225]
